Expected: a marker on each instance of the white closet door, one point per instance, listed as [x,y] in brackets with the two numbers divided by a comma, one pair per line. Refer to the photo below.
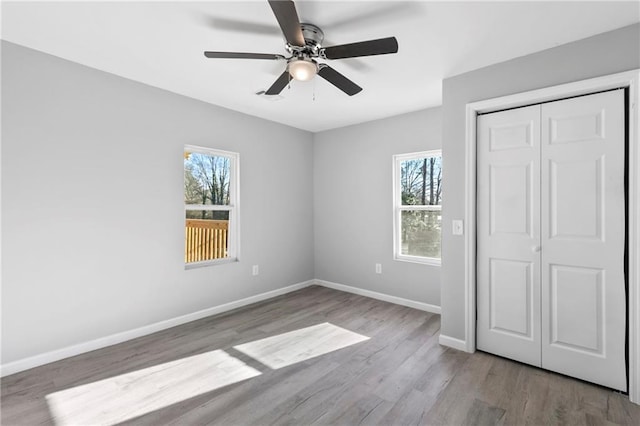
[583,238]
[508,218]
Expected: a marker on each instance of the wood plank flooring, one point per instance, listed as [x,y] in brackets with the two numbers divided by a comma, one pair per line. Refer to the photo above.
[352,360]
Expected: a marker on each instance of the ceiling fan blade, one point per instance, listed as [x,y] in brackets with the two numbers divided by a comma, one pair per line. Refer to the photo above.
[240,55]
[287,17]
[279,84]
[339,80]
[381,46]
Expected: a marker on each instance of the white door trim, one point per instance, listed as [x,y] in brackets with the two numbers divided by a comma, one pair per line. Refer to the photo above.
[628,79]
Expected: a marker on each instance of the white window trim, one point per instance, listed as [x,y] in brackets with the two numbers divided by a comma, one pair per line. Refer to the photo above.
[398,208]
[233,208]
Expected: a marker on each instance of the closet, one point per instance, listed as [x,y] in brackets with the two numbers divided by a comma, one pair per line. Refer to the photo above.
[551,236]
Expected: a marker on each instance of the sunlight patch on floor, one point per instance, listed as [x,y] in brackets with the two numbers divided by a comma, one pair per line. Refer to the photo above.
[299,345]
[130,395]
[124,397]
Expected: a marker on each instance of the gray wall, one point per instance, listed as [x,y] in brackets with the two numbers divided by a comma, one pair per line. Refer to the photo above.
[92,212]
[353,205]
[607,53]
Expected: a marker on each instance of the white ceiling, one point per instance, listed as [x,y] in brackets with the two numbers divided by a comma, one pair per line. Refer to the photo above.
[162,44]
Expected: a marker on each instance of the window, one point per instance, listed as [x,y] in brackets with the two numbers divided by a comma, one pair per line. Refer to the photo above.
[211,206]
[417,206]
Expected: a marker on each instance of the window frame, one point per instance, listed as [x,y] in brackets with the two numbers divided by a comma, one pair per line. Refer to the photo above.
[233,236]
[398,208]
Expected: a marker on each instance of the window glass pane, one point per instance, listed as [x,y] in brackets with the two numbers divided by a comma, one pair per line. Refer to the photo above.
[420,233]
[420,181]
[206,235]
[206,179]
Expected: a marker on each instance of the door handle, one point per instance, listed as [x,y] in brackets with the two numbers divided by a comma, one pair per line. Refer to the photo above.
[536,249]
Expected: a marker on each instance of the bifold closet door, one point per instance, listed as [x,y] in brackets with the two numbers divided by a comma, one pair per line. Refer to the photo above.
[583,238]
[551,236]
[508,234]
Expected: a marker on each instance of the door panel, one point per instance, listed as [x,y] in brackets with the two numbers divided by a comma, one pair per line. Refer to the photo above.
[578,126]
[511,136]
[577,326]
[510,188]
[573,213]
[508,229]
[510,299]
[583,238]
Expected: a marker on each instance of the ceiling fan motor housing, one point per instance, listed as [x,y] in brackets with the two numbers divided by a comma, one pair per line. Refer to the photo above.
[312,34]
[313,37]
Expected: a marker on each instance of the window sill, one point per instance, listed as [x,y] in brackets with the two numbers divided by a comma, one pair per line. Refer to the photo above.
[431,261]
[196,265]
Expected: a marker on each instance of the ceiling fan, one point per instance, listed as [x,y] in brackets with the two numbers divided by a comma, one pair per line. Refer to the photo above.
[304,44]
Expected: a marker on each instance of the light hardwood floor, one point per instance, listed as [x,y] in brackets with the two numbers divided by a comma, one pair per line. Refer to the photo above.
[316,356]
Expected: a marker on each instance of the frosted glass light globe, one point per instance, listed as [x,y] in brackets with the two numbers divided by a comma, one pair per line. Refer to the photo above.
[302,69]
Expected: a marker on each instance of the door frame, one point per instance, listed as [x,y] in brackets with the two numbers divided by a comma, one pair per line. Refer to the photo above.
[629,80]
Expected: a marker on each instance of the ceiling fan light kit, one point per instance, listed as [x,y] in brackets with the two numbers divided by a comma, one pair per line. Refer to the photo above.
[303,69]
[304,44]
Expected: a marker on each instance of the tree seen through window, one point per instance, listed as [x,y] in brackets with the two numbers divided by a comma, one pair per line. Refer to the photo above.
[418,208]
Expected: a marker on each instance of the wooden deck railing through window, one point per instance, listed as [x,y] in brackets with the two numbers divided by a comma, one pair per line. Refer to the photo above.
[205,239]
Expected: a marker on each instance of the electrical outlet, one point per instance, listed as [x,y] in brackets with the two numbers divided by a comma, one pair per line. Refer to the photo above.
[255,270]
[378,268]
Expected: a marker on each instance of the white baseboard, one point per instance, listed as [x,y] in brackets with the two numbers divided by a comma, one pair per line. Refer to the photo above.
[69,351]
[380,296]
[452,342]
[102,342]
